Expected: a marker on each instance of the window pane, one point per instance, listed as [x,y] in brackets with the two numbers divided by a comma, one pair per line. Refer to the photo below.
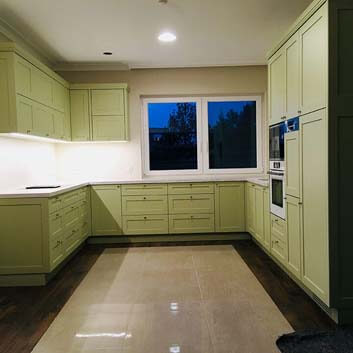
[232,134]
[172,136]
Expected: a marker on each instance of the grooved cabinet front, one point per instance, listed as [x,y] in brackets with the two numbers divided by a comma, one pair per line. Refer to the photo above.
[190,188]
[144,189]
[80,125]
[144,205]
[196,203]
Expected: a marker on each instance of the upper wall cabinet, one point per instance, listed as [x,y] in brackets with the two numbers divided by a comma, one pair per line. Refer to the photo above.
[34,99]
[298,71]
[102,115]
[276,81]
[313,61]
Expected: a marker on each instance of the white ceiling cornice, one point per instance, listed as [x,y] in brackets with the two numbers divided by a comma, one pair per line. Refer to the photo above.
[91,67]
[15,36]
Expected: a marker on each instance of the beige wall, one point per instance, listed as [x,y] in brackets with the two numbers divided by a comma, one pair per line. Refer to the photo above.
[123,160]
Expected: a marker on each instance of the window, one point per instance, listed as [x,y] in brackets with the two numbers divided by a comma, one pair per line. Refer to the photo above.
[202,135]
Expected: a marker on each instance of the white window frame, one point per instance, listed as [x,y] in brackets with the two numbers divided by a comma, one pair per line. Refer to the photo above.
[259,165]
[145,137]
[202,136]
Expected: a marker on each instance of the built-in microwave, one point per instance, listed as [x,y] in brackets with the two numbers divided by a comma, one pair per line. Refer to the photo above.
[277,141]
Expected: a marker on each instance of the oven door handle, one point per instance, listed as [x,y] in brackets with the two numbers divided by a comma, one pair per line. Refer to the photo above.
[277,174]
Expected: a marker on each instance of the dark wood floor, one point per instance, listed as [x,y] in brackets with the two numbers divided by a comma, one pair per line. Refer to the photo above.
[27,312]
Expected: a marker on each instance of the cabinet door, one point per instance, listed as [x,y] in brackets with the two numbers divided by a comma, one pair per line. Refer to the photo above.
[25,113]
[294,235]
[277,87]
[59,96]
[108,102]
[267,220]
[43,121]
[250,207]
[313,59]
[42,87]
[23,76]
[108,128]
[292,151]
[314,175]
[59,125]
[106,210]
[259,214]
[291,49]
[80,119]
[230,207]
[67,120]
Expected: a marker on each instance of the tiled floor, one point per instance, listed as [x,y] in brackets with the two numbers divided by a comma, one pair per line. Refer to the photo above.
[197,299]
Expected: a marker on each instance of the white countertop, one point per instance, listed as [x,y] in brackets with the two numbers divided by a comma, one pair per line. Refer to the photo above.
[22,192]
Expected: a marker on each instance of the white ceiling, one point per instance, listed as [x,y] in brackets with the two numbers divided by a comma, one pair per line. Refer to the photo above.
[209,32]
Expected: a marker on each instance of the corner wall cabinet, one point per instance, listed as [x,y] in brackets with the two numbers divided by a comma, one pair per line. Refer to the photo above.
[99,112]
[34,100]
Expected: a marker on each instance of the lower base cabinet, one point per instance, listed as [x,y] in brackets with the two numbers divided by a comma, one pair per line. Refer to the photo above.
[186,224]
[279,242]
[230,207]
[145,225]
[106,210]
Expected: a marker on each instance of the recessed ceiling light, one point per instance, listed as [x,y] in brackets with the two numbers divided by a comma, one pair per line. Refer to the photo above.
[167,37]
[107,53]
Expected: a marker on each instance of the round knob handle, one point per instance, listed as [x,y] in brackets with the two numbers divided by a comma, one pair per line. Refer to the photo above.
[144,198]
[144,217]
[28,131]
[47,135]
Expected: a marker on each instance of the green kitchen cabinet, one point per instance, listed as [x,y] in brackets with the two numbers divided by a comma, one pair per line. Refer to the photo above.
[267,220]
[144,225]
[190,188]
[144,189]
[294,225]
[293,167]
[80,118]
[144,205]
[259,231]
[106,210]
[314,184]
[250,208]
[108,102]
[313,38]
[188,204]
[279,239]
[191,223]
[277,88]
[102,111]
[230,207]
[33,98]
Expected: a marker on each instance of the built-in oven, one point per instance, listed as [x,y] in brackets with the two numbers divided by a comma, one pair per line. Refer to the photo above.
[277,192]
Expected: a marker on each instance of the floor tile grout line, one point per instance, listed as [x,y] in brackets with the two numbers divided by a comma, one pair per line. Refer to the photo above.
[202,305]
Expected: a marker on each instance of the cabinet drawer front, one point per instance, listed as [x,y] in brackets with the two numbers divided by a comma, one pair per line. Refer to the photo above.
[56,224]
[184,204]
[144,205]
[72,237]
[145,224]
[71,215]
[278,228]
[83,208]
[195,223]
[279,249]
[190,188]
[55,204]
[69,199]
[144,189]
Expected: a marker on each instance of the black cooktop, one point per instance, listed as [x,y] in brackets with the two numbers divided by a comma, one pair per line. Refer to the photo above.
[43,187]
